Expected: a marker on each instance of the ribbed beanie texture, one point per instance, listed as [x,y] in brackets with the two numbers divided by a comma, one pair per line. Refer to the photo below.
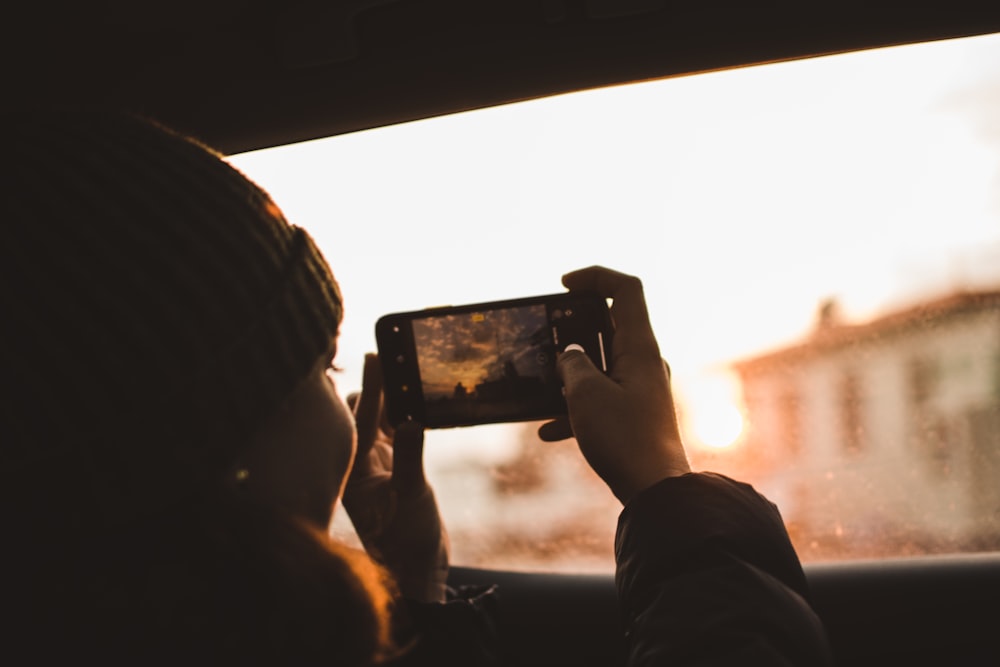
[156,309]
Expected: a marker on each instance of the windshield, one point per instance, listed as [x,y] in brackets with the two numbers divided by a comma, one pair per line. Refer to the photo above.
[819,242]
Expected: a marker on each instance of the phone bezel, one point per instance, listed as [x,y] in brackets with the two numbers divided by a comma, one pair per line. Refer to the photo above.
[402,383]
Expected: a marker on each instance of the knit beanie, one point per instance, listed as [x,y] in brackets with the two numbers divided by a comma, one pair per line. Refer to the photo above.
[156,308]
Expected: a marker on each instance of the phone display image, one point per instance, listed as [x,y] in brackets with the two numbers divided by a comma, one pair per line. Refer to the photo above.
[486,363]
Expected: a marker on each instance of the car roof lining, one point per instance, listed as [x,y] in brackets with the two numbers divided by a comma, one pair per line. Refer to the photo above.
[246,74]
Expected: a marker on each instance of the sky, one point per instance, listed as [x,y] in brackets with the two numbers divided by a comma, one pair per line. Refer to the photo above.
[470,348]
[742,198]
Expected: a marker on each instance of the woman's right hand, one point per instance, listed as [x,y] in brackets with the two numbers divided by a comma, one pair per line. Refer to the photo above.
[388,499]
[625,422]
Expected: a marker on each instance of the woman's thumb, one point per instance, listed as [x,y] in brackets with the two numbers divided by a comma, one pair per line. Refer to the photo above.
[575,367]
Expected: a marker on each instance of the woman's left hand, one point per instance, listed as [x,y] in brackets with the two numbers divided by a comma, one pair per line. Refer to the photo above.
[388,499]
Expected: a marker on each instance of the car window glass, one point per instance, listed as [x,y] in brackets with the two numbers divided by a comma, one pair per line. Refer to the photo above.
[820,246]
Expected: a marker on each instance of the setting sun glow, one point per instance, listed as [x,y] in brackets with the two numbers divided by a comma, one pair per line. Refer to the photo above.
[713,418]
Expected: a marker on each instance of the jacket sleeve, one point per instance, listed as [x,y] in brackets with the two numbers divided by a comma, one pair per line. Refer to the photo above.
[706,575]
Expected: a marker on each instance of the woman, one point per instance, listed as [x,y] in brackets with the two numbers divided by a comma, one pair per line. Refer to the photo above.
[175,444]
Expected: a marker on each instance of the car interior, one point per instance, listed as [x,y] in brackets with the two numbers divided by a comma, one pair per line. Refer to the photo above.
[271,84]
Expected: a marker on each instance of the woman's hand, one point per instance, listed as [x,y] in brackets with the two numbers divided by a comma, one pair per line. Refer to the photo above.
[388,499]
[625,422]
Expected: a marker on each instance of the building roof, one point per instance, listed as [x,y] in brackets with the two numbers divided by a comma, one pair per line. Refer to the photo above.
[830,335]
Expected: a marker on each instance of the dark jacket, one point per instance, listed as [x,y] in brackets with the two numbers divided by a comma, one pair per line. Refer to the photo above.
[707,576]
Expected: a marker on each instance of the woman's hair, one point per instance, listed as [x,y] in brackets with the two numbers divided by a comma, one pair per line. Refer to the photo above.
[146,286]
[223,581]
[156,309]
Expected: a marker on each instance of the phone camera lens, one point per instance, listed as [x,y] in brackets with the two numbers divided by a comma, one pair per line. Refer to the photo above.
[557,314]
[400,358]
[569,312]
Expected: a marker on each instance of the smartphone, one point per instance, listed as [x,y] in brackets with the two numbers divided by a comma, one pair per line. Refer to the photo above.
[487,362]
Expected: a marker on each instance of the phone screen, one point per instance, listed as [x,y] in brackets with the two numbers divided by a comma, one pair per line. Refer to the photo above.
[486,363]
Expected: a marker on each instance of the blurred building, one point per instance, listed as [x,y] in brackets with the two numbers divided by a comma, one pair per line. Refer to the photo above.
[883,437]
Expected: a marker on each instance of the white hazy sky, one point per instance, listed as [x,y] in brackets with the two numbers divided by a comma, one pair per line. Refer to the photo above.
[742,198]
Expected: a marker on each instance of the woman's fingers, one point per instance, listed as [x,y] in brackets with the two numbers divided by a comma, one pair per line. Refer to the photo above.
[555,430]
[367,409]
[408,459]
[633,332]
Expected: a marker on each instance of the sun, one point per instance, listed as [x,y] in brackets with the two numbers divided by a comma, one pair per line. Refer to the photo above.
[713,417]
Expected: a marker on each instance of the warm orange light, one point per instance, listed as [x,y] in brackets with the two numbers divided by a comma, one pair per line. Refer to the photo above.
[720,429]
[713,417]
